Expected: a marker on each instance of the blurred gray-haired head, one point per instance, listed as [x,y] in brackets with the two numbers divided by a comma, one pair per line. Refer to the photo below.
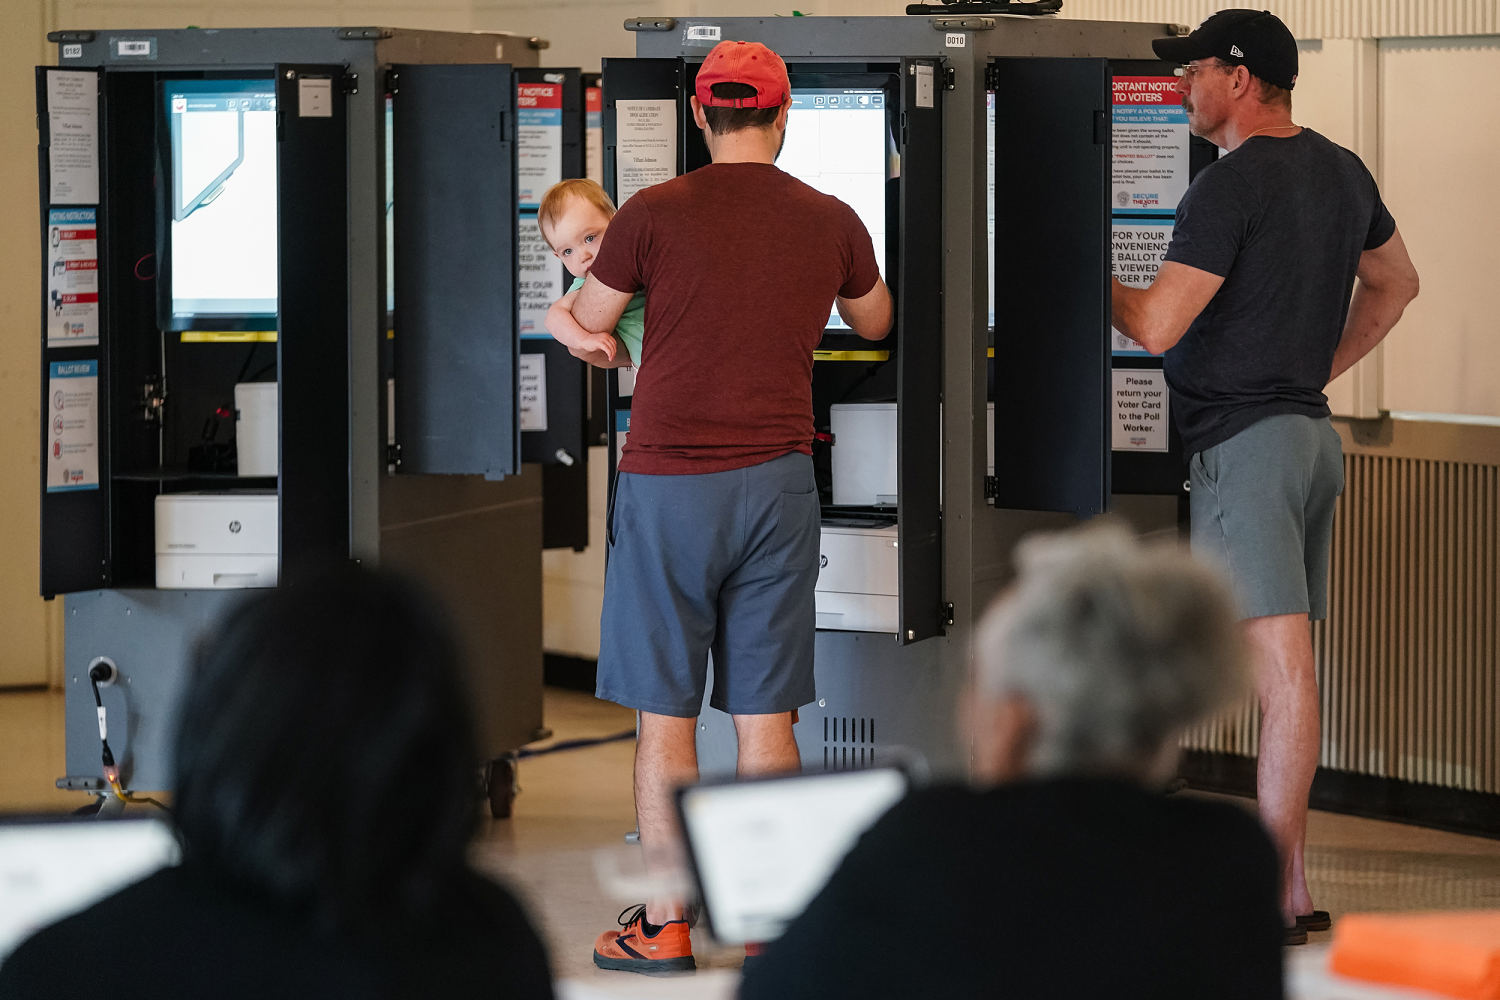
[1115,646]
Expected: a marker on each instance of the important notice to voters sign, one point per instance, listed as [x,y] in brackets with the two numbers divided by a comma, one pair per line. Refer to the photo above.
[539,140]
[1150,170]
[539,146]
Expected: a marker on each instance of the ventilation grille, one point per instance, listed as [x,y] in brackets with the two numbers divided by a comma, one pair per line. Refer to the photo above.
[1409,658]
[1317,18]
[848,743]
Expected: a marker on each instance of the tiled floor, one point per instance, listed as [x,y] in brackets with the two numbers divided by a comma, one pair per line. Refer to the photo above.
[564,850]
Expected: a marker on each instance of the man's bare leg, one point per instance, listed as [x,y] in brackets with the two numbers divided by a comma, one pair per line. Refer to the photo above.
[766,744]
[1286,683]
[666,755]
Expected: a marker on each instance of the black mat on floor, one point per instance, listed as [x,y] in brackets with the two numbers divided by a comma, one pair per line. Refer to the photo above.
[572,672]
[1451,809]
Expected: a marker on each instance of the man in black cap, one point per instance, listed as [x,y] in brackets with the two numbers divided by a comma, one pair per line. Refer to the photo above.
[1252,308]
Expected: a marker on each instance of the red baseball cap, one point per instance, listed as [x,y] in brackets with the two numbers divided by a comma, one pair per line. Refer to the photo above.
[750,63]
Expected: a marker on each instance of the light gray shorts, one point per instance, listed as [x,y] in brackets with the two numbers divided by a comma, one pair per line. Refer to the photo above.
[1262,508]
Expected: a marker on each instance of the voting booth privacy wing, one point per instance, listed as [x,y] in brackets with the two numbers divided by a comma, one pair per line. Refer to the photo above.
[300,239]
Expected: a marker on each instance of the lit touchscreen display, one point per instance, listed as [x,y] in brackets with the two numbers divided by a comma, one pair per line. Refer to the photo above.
[223,198]
[837,141]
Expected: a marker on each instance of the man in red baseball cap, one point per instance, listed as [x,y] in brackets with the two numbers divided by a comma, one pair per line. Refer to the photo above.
[714,528]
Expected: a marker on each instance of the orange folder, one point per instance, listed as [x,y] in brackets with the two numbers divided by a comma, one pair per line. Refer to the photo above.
[1454,953]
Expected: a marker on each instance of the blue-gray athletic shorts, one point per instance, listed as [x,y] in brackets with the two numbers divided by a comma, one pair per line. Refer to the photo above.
[724,562]
[1262,507]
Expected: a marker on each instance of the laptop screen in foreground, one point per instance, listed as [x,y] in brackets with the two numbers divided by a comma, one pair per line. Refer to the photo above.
[762,849]
[52,867]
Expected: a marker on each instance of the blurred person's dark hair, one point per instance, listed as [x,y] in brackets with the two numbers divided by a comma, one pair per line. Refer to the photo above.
[325,754]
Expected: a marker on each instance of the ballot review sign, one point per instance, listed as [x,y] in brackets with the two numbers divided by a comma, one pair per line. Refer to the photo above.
[539,144]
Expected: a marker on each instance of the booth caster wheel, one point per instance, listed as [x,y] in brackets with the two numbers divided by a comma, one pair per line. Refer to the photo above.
[502,786]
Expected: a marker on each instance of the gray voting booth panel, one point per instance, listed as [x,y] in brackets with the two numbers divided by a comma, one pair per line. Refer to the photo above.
[149,634]
[876,702]
[910,691]
[483,562]
[476,542]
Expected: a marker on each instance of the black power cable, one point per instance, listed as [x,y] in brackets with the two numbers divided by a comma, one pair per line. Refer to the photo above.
[103,673]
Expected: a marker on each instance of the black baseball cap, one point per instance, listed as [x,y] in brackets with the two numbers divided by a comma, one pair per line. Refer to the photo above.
[1256,39]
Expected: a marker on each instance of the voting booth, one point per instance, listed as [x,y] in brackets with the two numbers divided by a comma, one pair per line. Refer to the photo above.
[1000,163]
[289,277]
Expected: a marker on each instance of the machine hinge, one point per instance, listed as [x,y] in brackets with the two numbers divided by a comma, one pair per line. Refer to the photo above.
[950,78]
[1101,128]
[970,23]
[947,614]
[991,487]
[393,455]
[350,82]
[538,43]
[991,78]
[650,23]
[364,34]
[392,82]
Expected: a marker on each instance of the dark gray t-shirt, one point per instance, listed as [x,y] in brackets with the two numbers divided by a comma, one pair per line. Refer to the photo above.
[1284,222]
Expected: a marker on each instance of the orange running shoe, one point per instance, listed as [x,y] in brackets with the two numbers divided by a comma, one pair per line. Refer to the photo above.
[631,949]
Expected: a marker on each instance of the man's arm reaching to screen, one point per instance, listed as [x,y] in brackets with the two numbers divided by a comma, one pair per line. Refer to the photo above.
[871,314]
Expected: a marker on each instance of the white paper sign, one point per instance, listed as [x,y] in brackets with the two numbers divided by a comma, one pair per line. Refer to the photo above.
[1140,410]
[646,153]
[1139,247]
[73,426]
[925,88]
[539,278]
[73,137]
[72,277]
[315,97]
[531,381]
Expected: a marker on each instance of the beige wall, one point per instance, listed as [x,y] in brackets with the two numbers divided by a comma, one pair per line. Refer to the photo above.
[30,635]
[1438,156]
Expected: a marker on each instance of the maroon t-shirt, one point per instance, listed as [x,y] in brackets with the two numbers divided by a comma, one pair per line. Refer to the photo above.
[741,263]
